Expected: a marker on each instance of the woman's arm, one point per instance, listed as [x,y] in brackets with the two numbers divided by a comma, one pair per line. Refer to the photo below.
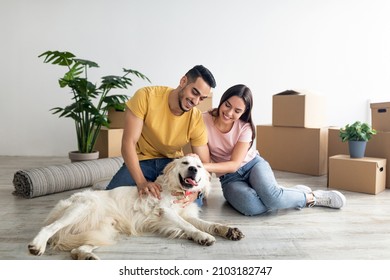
[238,155]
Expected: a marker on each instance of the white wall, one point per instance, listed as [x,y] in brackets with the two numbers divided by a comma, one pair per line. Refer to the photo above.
[337,48]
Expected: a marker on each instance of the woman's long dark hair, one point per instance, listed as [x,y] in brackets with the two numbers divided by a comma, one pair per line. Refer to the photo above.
[245,93]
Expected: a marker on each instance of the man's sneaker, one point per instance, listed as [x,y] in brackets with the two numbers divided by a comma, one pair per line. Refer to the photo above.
[331,199]
[303,188]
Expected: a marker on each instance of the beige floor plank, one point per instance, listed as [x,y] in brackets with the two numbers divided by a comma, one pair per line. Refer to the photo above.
[360,231]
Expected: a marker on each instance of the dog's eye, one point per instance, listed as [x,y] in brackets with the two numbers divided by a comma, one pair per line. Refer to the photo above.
[199,166]
[185,163]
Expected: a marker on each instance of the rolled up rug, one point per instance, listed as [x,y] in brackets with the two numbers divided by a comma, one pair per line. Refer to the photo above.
[59,178]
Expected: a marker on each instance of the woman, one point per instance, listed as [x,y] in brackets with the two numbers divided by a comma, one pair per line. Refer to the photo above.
[248,182]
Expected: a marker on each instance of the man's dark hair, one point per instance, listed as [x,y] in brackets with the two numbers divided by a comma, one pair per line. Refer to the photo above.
[201,71]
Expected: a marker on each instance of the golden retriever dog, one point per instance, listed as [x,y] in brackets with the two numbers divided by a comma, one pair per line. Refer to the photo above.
[94,218]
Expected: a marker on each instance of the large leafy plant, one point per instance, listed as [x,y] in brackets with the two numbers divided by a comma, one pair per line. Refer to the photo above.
[90,101]
[358,131]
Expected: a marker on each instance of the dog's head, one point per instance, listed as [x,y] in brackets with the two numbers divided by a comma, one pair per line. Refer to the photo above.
[187,174]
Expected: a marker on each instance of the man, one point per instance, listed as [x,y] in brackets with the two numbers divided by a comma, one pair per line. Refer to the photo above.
[159,121]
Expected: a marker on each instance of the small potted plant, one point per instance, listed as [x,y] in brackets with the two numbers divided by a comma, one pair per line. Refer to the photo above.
[357,135]
[90,101]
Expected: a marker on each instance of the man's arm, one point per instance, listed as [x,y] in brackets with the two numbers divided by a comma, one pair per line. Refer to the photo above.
[131,134]
[202,152]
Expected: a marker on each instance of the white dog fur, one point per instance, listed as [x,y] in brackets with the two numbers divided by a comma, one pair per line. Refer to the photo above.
[93,218]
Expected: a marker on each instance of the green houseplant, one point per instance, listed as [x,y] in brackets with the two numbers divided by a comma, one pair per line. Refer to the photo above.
[90,101]
[357,135]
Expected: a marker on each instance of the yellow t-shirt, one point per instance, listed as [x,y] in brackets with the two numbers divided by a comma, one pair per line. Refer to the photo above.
[164,134]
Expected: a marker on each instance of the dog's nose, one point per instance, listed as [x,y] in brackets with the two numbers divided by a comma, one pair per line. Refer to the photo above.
[193,169]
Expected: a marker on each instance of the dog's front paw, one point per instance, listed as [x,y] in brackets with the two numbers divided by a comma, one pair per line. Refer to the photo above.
[36,250]
[204,239]
[77,254]
[234,234]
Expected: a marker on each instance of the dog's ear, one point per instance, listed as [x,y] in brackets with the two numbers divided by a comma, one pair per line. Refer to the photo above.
[209,175]
[168,168]
[207,186]
[213,183]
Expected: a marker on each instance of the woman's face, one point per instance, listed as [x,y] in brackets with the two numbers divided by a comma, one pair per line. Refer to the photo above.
[232,109]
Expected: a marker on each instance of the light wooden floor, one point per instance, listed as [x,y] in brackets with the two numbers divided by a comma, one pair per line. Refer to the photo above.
[360,231]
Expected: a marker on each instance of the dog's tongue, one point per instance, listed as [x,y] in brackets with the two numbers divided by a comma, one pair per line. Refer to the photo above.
[190,181]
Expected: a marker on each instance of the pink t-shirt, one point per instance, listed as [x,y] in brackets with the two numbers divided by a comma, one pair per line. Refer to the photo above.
[221,145]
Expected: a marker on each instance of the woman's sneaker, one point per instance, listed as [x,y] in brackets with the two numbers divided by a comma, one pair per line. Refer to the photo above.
[331,199]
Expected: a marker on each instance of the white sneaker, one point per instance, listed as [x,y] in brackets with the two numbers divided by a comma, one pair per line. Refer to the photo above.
[303,188]
[331,199]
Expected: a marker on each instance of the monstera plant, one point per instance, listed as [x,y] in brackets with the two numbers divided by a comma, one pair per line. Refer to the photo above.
[90,101]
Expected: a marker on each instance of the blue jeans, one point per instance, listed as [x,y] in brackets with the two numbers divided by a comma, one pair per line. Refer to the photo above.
[151,169]
[253,190]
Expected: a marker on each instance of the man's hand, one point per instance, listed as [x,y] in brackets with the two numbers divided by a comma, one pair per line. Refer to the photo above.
[192,155]
[186,199]
[150,188]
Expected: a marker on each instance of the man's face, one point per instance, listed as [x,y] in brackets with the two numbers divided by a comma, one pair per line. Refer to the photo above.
[192,93]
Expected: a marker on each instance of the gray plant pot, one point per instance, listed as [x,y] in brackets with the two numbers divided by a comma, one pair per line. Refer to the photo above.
[75,156]
[357,149]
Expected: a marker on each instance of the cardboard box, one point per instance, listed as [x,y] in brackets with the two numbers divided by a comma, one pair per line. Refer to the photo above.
[206,104]
[298,150]
[109,142]
[377,147]
[365,175]
[116,118]
[298,109]
[335,145]
[380,116]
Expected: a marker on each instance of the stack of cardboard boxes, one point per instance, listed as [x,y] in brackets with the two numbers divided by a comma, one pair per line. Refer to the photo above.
[109,141]
[368,174]
[297,140]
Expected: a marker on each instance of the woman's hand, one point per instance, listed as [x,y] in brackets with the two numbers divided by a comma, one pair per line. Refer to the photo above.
[150,188]
[186,200]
